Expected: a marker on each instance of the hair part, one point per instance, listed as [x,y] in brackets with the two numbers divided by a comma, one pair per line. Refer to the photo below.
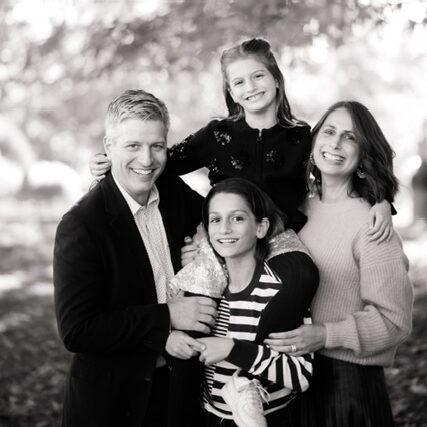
[260,50]
[136,104]
[376,156]
[259,203]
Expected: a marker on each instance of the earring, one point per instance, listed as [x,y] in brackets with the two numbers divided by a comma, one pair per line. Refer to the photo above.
[360,173]
[311,158]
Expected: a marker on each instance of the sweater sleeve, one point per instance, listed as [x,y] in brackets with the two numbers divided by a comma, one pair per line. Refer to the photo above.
[385,317]
[193,152]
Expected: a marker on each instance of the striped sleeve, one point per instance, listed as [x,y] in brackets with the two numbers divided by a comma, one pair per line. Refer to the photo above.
[291,372]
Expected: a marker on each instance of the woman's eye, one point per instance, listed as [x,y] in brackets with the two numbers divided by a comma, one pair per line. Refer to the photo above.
[213,220]
[257,76]
[238,219]
[237,83]
[328,131]
[350,137]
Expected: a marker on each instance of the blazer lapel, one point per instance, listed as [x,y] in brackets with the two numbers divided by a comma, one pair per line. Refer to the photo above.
[127,234]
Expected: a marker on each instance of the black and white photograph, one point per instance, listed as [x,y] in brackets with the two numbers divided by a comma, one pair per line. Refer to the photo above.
[213,213]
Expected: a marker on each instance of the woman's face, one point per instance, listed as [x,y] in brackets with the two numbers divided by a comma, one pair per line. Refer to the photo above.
[233,229]
[336,151]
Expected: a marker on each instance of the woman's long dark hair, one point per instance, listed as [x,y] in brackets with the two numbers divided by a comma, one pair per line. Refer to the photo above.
[259,203]
[261,50]
[376,156]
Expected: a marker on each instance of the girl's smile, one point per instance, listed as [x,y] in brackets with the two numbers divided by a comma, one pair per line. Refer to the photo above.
[252,86]
[233,230]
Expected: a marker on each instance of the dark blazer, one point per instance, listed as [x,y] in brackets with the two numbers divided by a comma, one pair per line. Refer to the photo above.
[106,304]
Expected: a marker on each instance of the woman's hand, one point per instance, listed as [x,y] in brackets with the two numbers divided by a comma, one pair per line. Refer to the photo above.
[181,345]
[216,349]
[380,222]
[99,165]
[303,340]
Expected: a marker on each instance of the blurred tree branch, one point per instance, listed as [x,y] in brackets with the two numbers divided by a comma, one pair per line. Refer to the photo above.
[50,72]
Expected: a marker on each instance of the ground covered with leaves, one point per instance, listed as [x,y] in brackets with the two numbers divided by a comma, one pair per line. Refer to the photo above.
[33,362]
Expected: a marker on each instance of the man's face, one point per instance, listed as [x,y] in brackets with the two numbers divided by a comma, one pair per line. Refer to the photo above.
[137,151]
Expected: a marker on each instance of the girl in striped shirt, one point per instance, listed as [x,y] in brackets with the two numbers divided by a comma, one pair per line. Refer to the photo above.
[240,220]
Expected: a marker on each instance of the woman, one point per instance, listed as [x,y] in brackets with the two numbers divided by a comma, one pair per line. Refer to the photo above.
[240,219]
[362,308]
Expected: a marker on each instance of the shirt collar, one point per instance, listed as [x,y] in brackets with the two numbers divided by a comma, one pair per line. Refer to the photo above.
[134,206]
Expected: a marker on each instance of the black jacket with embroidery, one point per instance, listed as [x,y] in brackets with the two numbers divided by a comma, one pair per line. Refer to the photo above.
[273,158]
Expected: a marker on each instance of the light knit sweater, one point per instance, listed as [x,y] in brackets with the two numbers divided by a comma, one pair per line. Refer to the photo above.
[364,297]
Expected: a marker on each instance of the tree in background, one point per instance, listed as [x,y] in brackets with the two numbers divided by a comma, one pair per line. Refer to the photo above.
[61,61]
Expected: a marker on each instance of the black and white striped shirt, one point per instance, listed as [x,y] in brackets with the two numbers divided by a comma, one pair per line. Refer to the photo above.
[238,318]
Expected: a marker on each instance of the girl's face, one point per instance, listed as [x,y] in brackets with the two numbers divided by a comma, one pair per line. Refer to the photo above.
[336,151]
[233,229]
[252,86]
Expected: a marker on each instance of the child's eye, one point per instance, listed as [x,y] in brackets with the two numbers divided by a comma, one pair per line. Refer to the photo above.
[237,83]
[213,220]
[238,218]
[328,131]
[257,76]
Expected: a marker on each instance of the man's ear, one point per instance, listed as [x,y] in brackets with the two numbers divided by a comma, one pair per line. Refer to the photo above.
[262,228]
[107,146]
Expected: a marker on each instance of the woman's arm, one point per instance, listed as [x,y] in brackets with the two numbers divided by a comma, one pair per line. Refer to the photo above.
[387,297]
[385,319]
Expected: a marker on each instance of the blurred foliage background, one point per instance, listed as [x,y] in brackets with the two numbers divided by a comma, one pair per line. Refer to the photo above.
[62,61]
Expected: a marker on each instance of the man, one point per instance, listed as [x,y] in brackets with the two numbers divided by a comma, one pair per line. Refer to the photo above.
[114,254]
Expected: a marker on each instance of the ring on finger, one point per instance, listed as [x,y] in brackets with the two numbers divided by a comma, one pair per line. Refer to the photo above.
[293,348]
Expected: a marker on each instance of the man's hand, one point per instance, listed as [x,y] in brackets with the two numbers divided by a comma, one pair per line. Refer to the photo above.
[192,313]
[181,345]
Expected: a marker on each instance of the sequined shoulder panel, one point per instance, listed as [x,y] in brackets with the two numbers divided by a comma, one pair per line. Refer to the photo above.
[285,242]
[204,275]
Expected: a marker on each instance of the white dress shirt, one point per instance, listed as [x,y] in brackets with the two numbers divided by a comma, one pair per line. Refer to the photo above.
[152,230]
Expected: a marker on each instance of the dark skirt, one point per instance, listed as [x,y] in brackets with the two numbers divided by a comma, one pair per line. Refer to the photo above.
[344,394]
